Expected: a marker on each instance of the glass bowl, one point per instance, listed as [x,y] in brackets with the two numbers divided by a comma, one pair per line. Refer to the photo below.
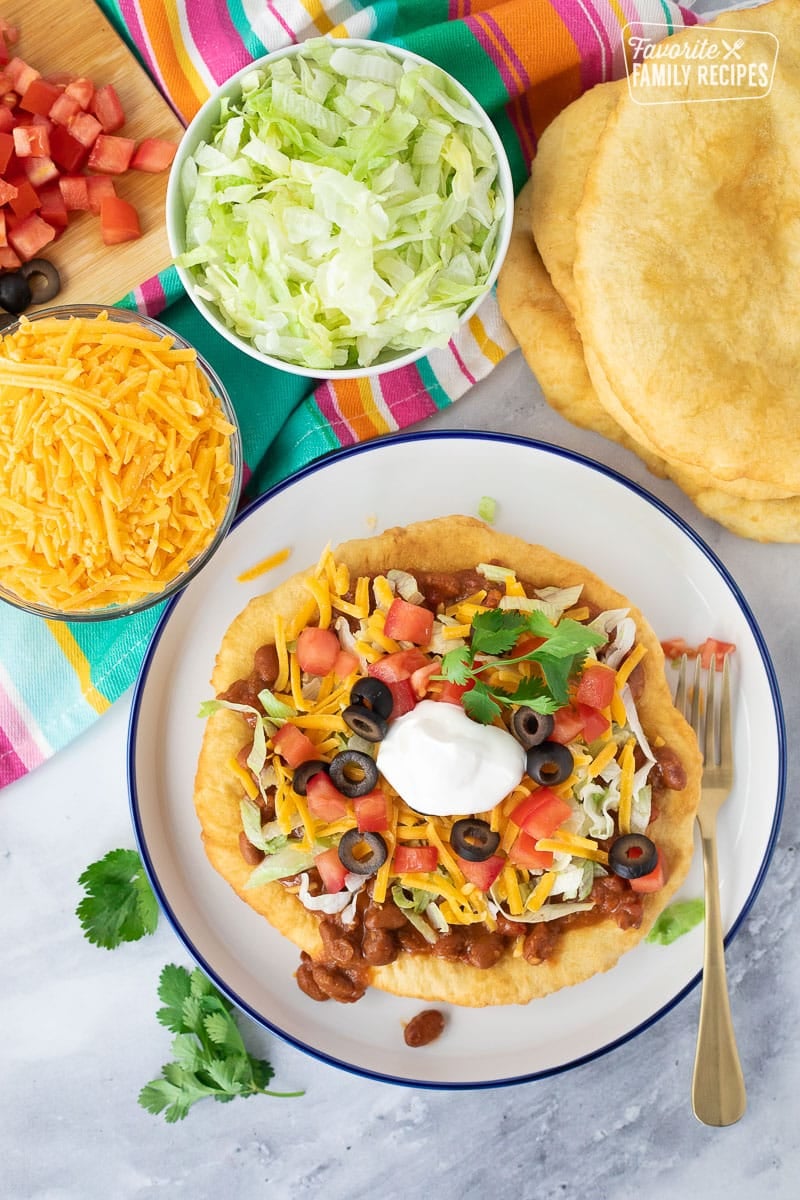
[172,581]
[180,190]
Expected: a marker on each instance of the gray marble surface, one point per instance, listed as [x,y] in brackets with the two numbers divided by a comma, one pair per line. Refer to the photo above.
[79,1035]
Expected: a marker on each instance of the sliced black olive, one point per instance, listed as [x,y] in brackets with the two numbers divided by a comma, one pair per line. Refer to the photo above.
[353,773]
[302,774]
[473,839]
[632,856]
[550,763]
[529,727]
[362,853]
[43,279]
[367,724]
[15,294]
[374,695]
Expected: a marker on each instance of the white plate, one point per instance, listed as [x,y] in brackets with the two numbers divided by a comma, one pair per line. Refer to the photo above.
[544,495]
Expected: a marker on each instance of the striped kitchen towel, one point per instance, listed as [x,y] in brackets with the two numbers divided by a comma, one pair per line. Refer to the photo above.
[524,60]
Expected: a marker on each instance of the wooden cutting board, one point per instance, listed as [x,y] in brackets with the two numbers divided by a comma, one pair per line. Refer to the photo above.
[76,38]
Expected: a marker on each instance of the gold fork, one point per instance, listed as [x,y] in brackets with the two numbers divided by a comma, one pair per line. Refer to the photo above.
[718,1092]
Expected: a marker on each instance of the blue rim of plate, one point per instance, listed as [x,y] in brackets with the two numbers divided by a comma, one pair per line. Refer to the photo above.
[559,452]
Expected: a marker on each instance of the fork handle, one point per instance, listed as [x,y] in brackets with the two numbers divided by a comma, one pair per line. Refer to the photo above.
[718,1091]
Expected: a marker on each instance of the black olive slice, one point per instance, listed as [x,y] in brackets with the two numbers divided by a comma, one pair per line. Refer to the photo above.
[367,724]
[473,839]
[43,279]
[353,773]
[374,695]
[632,856]
[362,853]
[529,727]
[305,771]
[15,294]
[550,763]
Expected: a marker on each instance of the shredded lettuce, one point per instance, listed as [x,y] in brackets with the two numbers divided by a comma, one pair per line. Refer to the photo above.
[347,205]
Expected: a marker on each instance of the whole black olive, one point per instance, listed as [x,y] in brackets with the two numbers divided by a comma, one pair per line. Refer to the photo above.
[374,695]
[530,727]
[43,279]
[367,724]
[473,839]
[352,856]
[632,856]
[550,763]
[15,294]
[353,773]
[305,771]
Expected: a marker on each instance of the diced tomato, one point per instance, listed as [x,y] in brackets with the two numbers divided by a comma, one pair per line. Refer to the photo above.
[97,187]
[3,238]
[452,693]
[39,96]
[414,859]
[293,745]
[31,236]
[6,150]
[40,171]
[568,725]
[111,155]
[675,647]
[26,200]
[526,643]
[594,723]
[317,649]
[332,870]
[7,192]
[654,880]
[482,874]
[75,192]
[408,622]
[119,221]
[541,813]
[21,74]
[596,686]
[154,155]
[325,801]
[403,698]
[31,141]
[420,680]
[106,106]
[6,117]
[85,128]
[82,90]
[67,151]
[63,109]
[372,811]
[346,660]
[53,209]
[400,665]
[523,853]
[9,260]
[712,649]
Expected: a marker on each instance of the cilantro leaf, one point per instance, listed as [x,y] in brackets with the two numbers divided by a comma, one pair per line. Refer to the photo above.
[534,694]
[210,1057]
[496,630]
[480,704]
[566,638]
[119,905]
[457,665]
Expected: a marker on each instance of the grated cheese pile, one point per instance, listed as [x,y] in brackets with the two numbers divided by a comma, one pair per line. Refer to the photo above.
[115,461]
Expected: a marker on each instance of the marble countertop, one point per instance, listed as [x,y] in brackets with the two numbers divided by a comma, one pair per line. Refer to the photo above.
[80,1037]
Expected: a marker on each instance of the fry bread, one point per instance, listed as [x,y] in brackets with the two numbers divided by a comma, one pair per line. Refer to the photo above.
[446,544]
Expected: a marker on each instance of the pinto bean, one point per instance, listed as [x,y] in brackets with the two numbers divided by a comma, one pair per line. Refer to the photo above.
[450,945]
[670,768]
[379,947]
[636,681]
[485,950]
[265,664]
[250,853]
[340,947]
[384,916]
[305,979]
[337,983]
[540,941]
[424,1028]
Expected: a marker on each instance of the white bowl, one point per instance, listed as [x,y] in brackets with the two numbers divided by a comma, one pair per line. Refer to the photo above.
[201,130]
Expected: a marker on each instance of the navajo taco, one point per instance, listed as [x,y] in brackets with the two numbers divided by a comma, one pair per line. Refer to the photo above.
[446,764]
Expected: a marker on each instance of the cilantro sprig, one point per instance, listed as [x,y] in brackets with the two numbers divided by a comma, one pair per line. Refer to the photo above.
[211,1059]
[496,632]
[119,905]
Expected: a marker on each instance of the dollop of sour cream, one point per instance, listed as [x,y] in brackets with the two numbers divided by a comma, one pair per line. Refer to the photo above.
[443,763]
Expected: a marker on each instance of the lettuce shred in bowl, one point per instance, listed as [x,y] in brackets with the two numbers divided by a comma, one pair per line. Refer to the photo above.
[347,205]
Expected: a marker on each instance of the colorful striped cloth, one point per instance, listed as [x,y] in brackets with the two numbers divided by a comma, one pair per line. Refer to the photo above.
[524,60]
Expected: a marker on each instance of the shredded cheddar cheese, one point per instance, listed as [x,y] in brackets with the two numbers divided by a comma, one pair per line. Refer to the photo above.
[115,461]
